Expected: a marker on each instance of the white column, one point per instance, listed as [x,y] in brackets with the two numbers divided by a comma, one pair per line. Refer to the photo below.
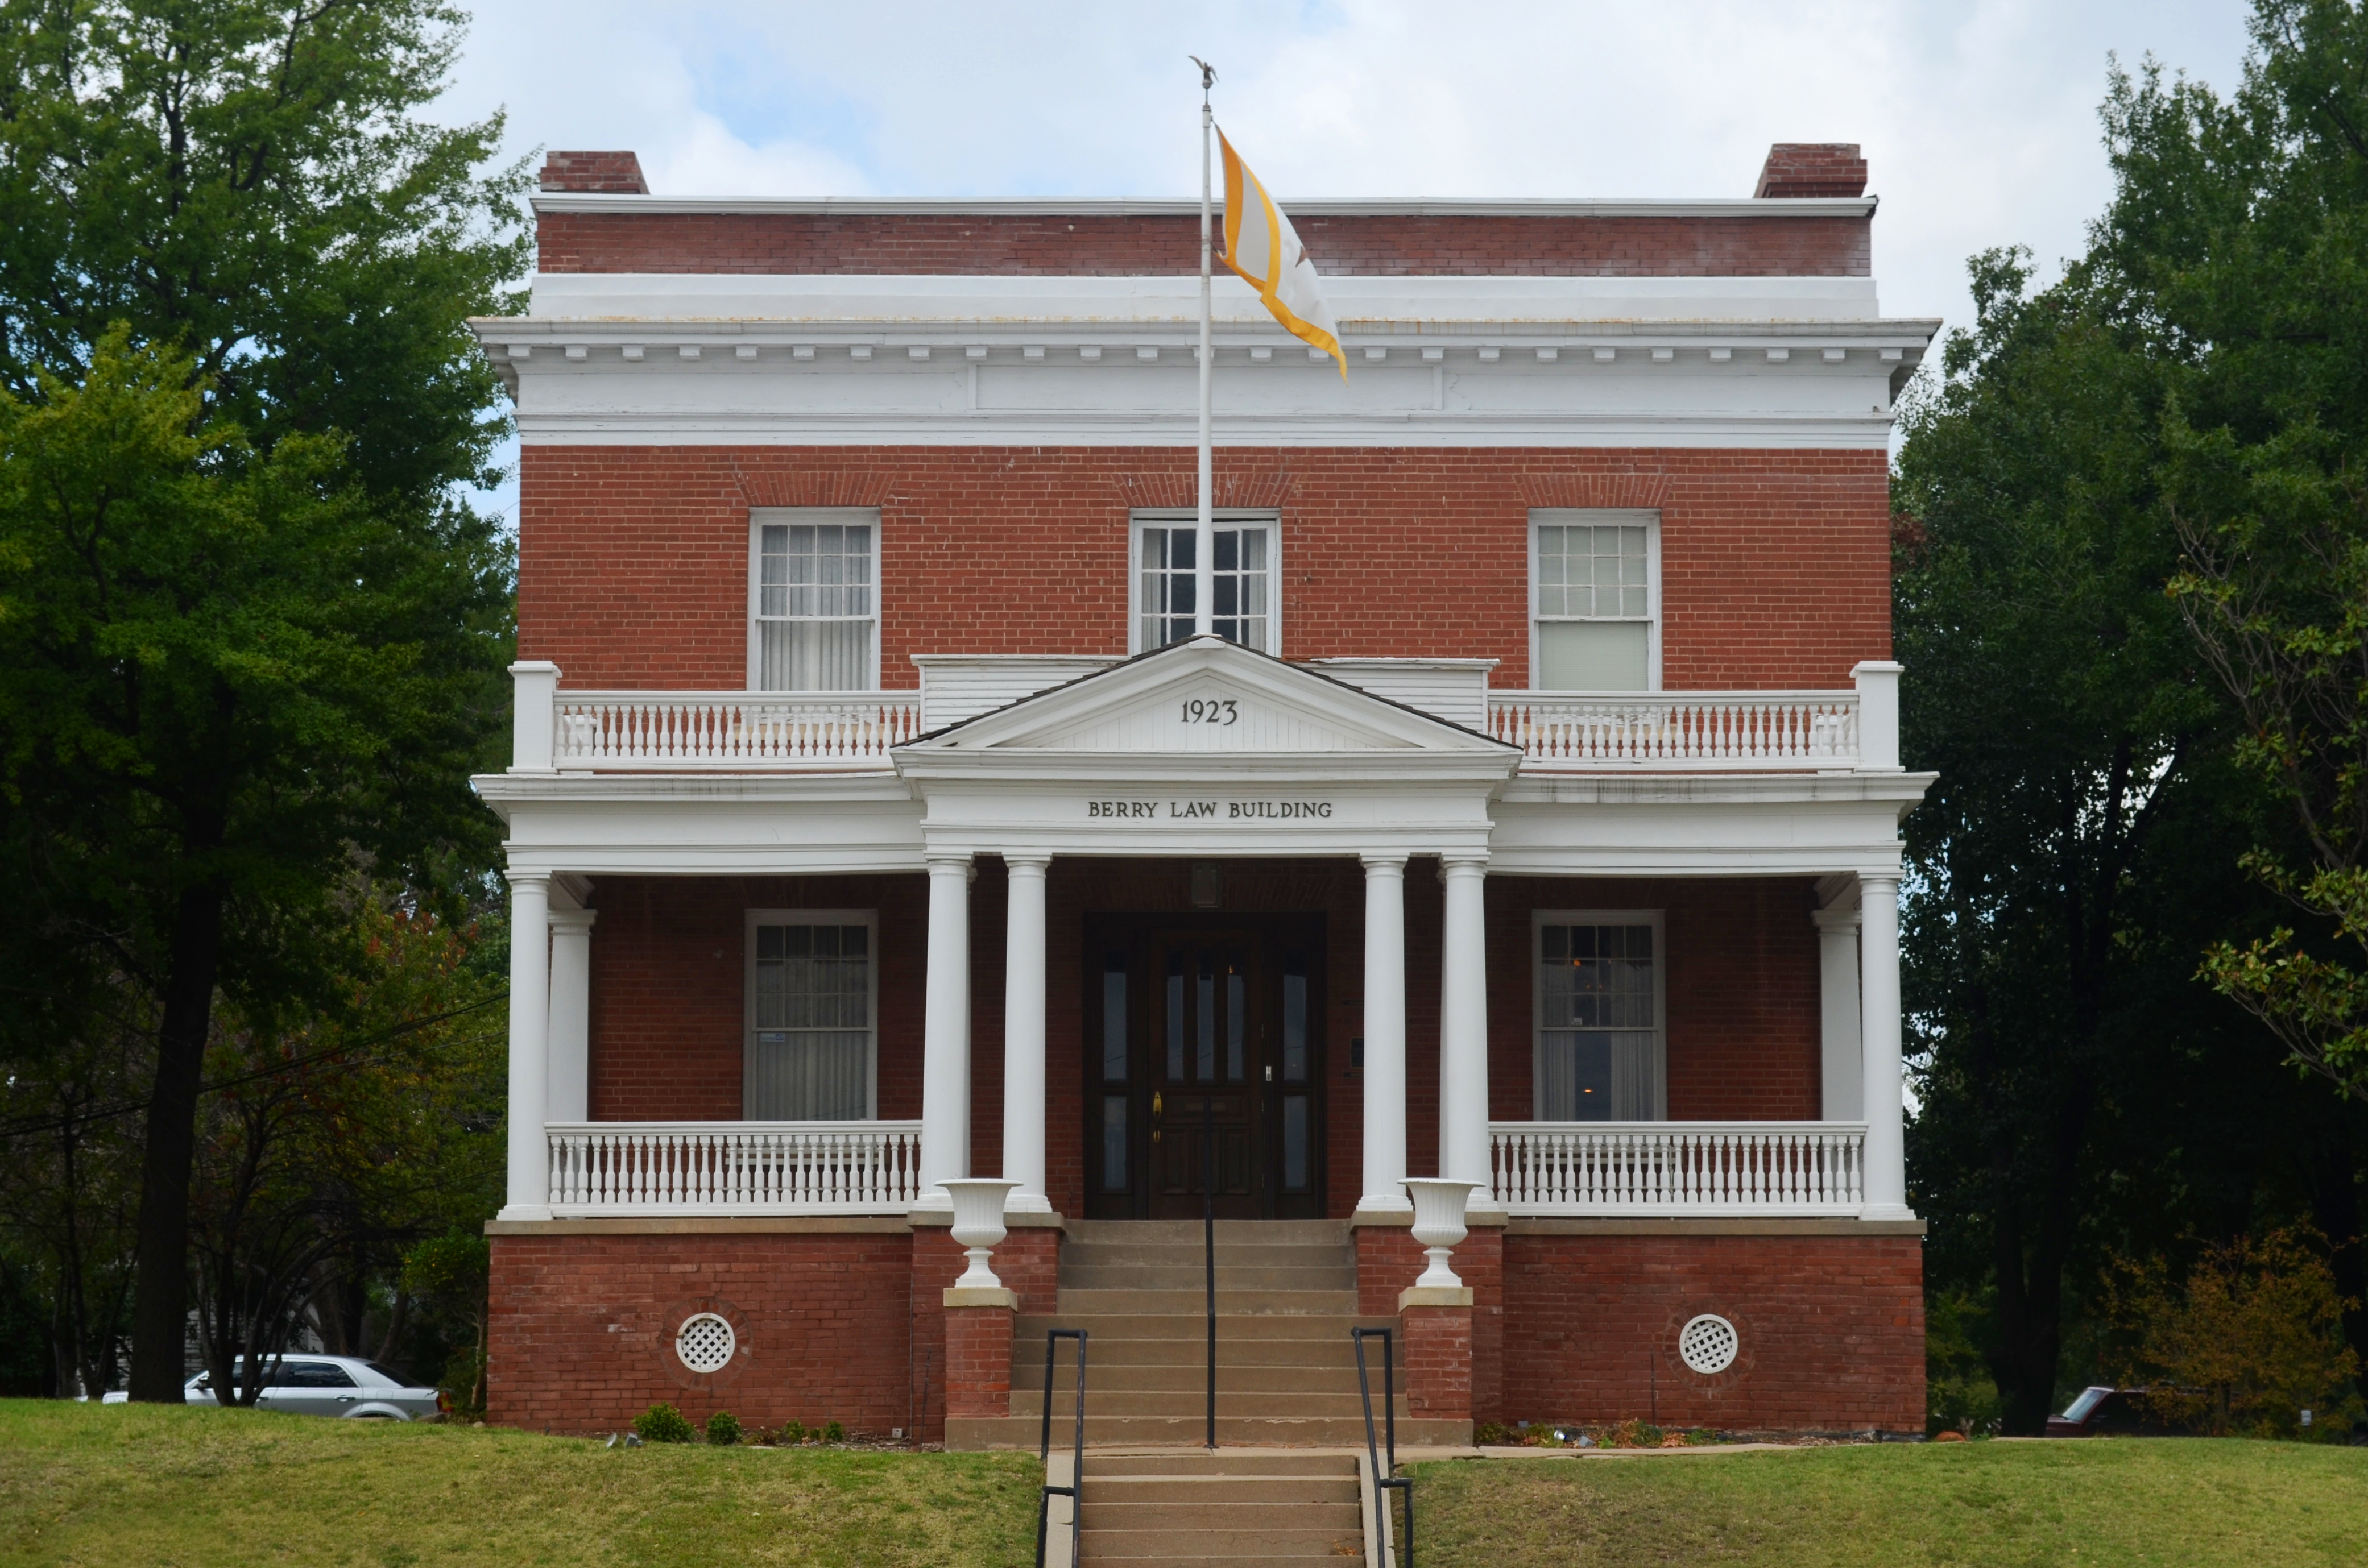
[945,1031]
[1386,1073]
[1886,1151]
[1845,1068]
[529,1163]
[571,1015]
[1023,1036]
[1463,1027]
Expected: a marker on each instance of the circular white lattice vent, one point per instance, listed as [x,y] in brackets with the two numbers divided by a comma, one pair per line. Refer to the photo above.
[705,1343]
[1707,1345]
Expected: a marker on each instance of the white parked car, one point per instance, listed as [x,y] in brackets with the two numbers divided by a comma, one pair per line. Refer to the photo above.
[327,1385]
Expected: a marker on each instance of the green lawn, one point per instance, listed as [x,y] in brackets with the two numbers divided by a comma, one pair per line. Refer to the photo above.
[1996,1504]
[121,1484]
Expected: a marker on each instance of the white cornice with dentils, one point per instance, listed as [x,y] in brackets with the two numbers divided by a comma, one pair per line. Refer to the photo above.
[1777,208]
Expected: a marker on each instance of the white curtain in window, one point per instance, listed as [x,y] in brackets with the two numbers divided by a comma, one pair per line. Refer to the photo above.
[814,608]
[809,1046]
[1598,1024]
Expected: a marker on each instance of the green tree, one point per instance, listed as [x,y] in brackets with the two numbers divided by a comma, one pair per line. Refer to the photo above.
[249,632]
[2237,246]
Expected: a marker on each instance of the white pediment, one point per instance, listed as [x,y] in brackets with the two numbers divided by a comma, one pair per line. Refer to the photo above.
[1206,697]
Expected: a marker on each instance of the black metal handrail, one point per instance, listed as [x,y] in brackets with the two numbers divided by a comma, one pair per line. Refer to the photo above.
[1075,1490]
[1209,1248]
[1384,1481]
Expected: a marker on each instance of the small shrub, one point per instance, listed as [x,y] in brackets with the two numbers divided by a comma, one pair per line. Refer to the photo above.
[723,1429]
[662,1422]
[1493,1434]
[793,1432]
[832,1432]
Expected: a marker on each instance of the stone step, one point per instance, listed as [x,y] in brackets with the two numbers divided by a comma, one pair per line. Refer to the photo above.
[1194,1491]
[1234,1303]
[1191,1372]
[1296,1405]
[1230,1254]
[1212,1517]
[1231,1278]
[1182,1233]
[971,1433]
[1268,1543]
[1192,1464]
[1247,1353]
[1131,1322]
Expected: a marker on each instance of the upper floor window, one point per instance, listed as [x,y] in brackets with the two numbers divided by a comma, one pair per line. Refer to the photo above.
[1164,569]
[1600,1047]
[814,609]
[812,1010]
[1596,600]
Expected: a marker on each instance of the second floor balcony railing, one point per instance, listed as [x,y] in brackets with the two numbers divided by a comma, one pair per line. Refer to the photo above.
[1726,731]
[730,730]
[1679,732]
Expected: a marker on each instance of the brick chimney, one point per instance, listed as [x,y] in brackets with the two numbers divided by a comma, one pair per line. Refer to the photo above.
[617,173]
[1806,168]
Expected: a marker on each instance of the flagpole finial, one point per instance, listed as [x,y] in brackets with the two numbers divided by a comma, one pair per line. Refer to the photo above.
[1208,73]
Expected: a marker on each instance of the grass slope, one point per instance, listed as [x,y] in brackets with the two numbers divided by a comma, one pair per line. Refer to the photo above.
[1997,1504]
[140,1485]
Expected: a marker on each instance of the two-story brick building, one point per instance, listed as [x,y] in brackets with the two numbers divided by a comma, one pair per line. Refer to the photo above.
[1531,817]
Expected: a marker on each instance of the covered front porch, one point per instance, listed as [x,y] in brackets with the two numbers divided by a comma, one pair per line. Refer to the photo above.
[1305,937]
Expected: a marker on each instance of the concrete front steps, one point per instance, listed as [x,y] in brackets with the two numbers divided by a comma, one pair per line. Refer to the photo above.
[1233,1506]
[1286,1368]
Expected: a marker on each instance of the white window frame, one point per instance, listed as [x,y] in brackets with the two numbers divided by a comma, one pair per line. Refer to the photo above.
[1561,516]
[870,919]
[1167,517]
[1542,918]
[758,516]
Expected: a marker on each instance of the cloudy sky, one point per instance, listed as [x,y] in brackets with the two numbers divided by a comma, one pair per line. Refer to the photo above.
[1977,117]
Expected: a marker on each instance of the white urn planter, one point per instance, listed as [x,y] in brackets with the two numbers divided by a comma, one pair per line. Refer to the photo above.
[978,1226]
[1439,1226]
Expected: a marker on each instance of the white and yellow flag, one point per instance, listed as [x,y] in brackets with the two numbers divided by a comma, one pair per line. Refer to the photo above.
[1262,248]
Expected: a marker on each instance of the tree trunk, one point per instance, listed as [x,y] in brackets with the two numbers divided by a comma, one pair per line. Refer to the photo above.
[160,1313]
[2330,1174]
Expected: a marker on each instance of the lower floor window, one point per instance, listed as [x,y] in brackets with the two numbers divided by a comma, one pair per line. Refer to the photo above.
[1599,1012]
[812,1005]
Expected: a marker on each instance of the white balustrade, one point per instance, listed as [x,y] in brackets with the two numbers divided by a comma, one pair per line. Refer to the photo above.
[668,730]
[1689,729]
[735,1167]
[1677,1167]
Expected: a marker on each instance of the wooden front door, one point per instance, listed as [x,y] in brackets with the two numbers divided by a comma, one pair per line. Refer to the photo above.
[1204,1054]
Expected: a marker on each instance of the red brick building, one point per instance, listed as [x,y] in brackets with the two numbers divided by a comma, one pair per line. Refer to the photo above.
[1527,815]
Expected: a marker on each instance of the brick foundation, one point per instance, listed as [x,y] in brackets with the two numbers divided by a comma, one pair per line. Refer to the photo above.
[582,1328]
[1832,1330]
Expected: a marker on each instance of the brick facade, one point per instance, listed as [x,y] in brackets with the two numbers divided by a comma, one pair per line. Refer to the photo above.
[975,244]
[1832,1330]
[633,560]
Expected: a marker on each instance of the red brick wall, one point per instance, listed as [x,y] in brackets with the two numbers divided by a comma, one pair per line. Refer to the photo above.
[1774,245]
[668,988]
[1741,987]
[583,1329]
[978,1362]
[1832,1330]
[633,569]
[1438,1362]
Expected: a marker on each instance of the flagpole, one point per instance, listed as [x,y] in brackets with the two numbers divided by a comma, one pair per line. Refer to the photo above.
[1204,544]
